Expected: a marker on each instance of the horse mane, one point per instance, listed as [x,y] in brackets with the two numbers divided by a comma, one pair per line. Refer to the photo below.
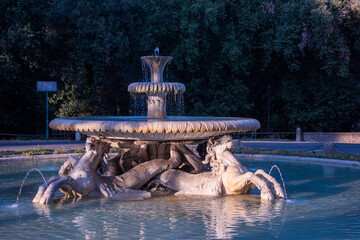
[211,154]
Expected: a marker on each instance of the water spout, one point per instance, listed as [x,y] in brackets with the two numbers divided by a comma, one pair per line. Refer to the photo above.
[62,147]
[23,182]
[280,177]
[156,51]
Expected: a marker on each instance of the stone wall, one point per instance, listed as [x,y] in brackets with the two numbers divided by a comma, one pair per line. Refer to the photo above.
[336,137]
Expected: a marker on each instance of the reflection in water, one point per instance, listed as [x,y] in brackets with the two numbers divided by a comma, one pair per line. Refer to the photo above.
[329,171]
[43,210]
[222,216]
[218,218]
[85,225]
[142,231]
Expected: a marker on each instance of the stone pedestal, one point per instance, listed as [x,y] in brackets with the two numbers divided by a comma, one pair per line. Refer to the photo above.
[77,136]
[156,106]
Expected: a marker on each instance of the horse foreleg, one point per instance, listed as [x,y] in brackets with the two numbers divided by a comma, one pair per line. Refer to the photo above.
[48,195]
[241,182]
[275,186]
[43,188]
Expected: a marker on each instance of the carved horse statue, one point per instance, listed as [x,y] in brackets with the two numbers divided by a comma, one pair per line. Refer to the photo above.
[228,176]
[137,167]
[83,179]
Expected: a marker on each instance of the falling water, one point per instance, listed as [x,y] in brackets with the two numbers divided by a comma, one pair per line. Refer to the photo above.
[23,182]
[145,71]
[170,104]
[182,105]
[166,75]
[138,105]
[142,109]
[175,104]
[132,107]
[280,177]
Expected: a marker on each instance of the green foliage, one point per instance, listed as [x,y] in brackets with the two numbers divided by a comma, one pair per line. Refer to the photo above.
[22,62]
[319,91]
[225,52]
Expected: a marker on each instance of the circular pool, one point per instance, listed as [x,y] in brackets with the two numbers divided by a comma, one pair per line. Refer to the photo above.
[323,204]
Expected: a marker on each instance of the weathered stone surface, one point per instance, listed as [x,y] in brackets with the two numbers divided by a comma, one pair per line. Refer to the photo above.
[159,87]
[139,128]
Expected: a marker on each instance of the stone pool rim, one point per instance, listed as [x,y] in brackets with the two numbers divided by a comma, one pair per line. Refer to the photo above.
[280,158]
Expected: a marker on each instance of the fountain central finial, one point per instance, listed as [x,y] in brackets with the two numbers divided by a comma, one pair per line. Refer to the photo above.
[157,89]
[157,65]
[156,51]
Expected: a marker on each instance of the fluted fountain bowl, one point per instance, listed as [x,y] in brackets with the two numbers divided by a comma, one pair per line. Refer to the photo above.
[156,87]
[169,129]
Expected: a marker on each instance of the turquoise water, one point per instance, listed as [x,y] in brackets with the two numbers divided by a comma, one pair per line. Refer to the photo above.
[324,203]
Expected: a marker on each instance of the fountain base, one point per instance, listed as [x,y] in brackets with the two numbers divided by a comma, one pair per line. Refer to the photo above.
[156,106]
[170,163]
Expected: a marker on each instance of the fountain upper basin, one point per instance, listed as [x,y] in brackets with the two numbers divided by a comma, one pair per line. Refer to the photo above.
[141,128]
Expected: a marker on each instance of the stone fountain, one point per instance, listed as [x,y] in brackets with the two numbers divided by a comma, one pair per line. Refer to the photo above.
[154,153]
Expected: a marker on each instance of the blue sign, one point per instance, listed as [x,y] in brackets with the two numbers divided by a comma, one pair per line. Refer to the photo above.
[46,86]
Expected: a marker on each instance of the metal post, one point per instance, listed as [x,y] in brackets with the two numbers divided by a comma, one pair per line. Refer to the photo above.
[46,87]
[268,89]
[47,117]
